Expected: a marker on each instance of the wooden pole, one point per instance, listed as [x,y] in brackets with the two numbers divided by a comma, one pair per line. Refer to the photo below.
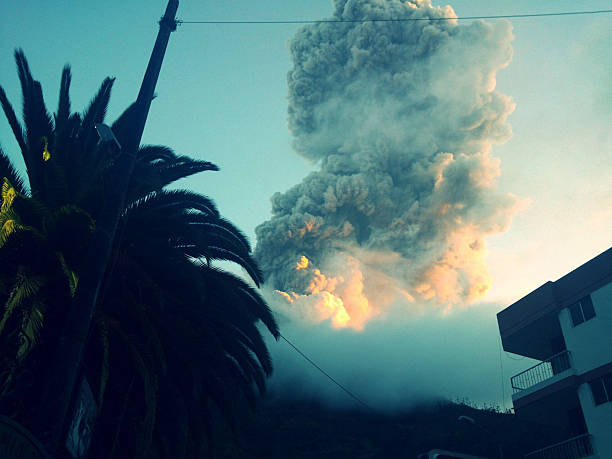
[66,363]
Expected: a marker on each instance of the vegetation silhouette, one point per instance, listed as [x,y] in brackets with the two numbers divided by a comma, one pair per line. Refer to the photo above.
[284,427]
[174,340]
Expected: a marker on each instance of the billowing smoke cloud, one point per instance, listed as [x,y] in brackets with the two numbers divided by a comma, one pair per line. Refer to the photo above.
[400,117]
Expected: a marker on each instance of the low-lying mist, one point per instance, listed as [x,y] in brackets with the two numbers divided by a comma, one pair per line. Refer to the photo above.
[399,361]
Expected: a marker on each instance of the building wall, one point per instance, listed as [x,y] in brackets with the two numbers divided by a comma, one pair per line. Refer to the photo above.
[590,343]
[552,413]
[599,421]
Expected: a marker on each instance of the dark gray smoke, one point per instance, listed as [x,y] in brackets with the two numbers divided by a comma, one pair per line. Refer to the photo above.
[400,117]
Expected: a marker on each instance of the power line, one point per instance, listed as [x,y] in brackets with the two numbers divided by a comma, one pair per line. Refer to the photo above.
[501,370]
[522,357]
[446,18]
[309,360]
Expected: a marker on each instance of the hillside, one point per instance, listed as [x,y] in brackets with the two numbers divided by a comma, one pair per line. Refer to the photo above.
[305,429]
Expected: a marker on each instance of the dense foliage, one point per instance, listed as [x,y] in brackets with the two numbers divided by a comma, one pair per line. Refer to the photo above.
[174,340]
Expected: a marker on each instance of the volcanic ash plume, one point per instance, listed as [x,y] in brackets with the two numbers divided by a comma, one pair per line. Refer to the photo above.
[400,117]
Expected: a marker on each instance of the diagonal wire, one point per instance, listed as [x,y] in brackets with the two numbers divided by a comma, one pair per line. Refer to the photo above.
[309,360]
[446,18]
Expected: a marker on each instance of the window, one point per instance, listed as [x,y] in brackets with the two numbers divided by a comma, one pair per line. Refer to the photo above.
[582,310]
[587,307]
[577,423]
[602,389]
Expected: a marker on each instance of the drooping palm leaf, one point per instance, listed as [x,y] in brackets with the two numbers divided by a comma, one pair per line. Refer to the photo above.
[159,166]
[8,172]
[37,122]
[95,113]
[9,112]
[31,325]
[63,107]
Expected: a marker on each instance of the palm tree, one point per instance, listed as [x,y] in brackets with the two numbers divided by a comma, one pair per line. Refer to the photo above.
[174,339]
[39,249]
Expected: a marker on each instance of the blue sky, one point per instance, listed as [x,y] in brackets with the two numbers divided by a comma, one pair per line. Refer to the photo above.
[222,97]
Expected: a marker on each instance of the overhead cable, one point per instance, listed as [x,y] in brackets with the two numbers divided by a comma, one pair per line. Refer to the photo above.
[309,360]
[444,18]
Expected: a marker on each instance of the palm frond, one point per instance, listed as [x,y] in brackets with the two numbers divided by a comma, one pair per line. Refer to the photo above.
[23,71]
[257,307]
[28,211]
[248,365]
[9,220]
[73,278]
[8,194]
[26,286]
[154,153]
[37,121]
[173,201]
[221,227]
[8,172]
[65,129]
[235,369]
[63,107]
[9,112]
[251,337]
[31,325]
[220,253]
[183,167]
[158,166]
[95,113]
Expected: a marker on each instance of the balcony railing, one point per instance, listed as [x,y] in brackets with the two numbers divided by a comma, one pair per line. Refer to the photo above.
[574,448]
[541,372]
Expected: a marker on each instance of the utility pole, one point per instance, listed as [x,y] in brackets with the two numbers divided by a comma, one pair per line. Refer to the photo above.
[66,363]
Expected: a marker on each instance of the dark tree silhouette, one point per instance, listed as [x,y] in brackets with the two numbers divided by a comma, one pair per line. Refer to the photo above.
[175,341]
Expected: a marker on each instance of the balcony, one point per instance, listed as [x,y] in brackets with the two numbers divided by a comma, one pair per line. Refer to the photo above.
[541,372]
[574,448]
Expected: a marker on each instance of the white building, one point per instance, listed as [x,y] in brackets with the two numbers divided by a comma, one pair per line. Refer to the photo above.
[567,326]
